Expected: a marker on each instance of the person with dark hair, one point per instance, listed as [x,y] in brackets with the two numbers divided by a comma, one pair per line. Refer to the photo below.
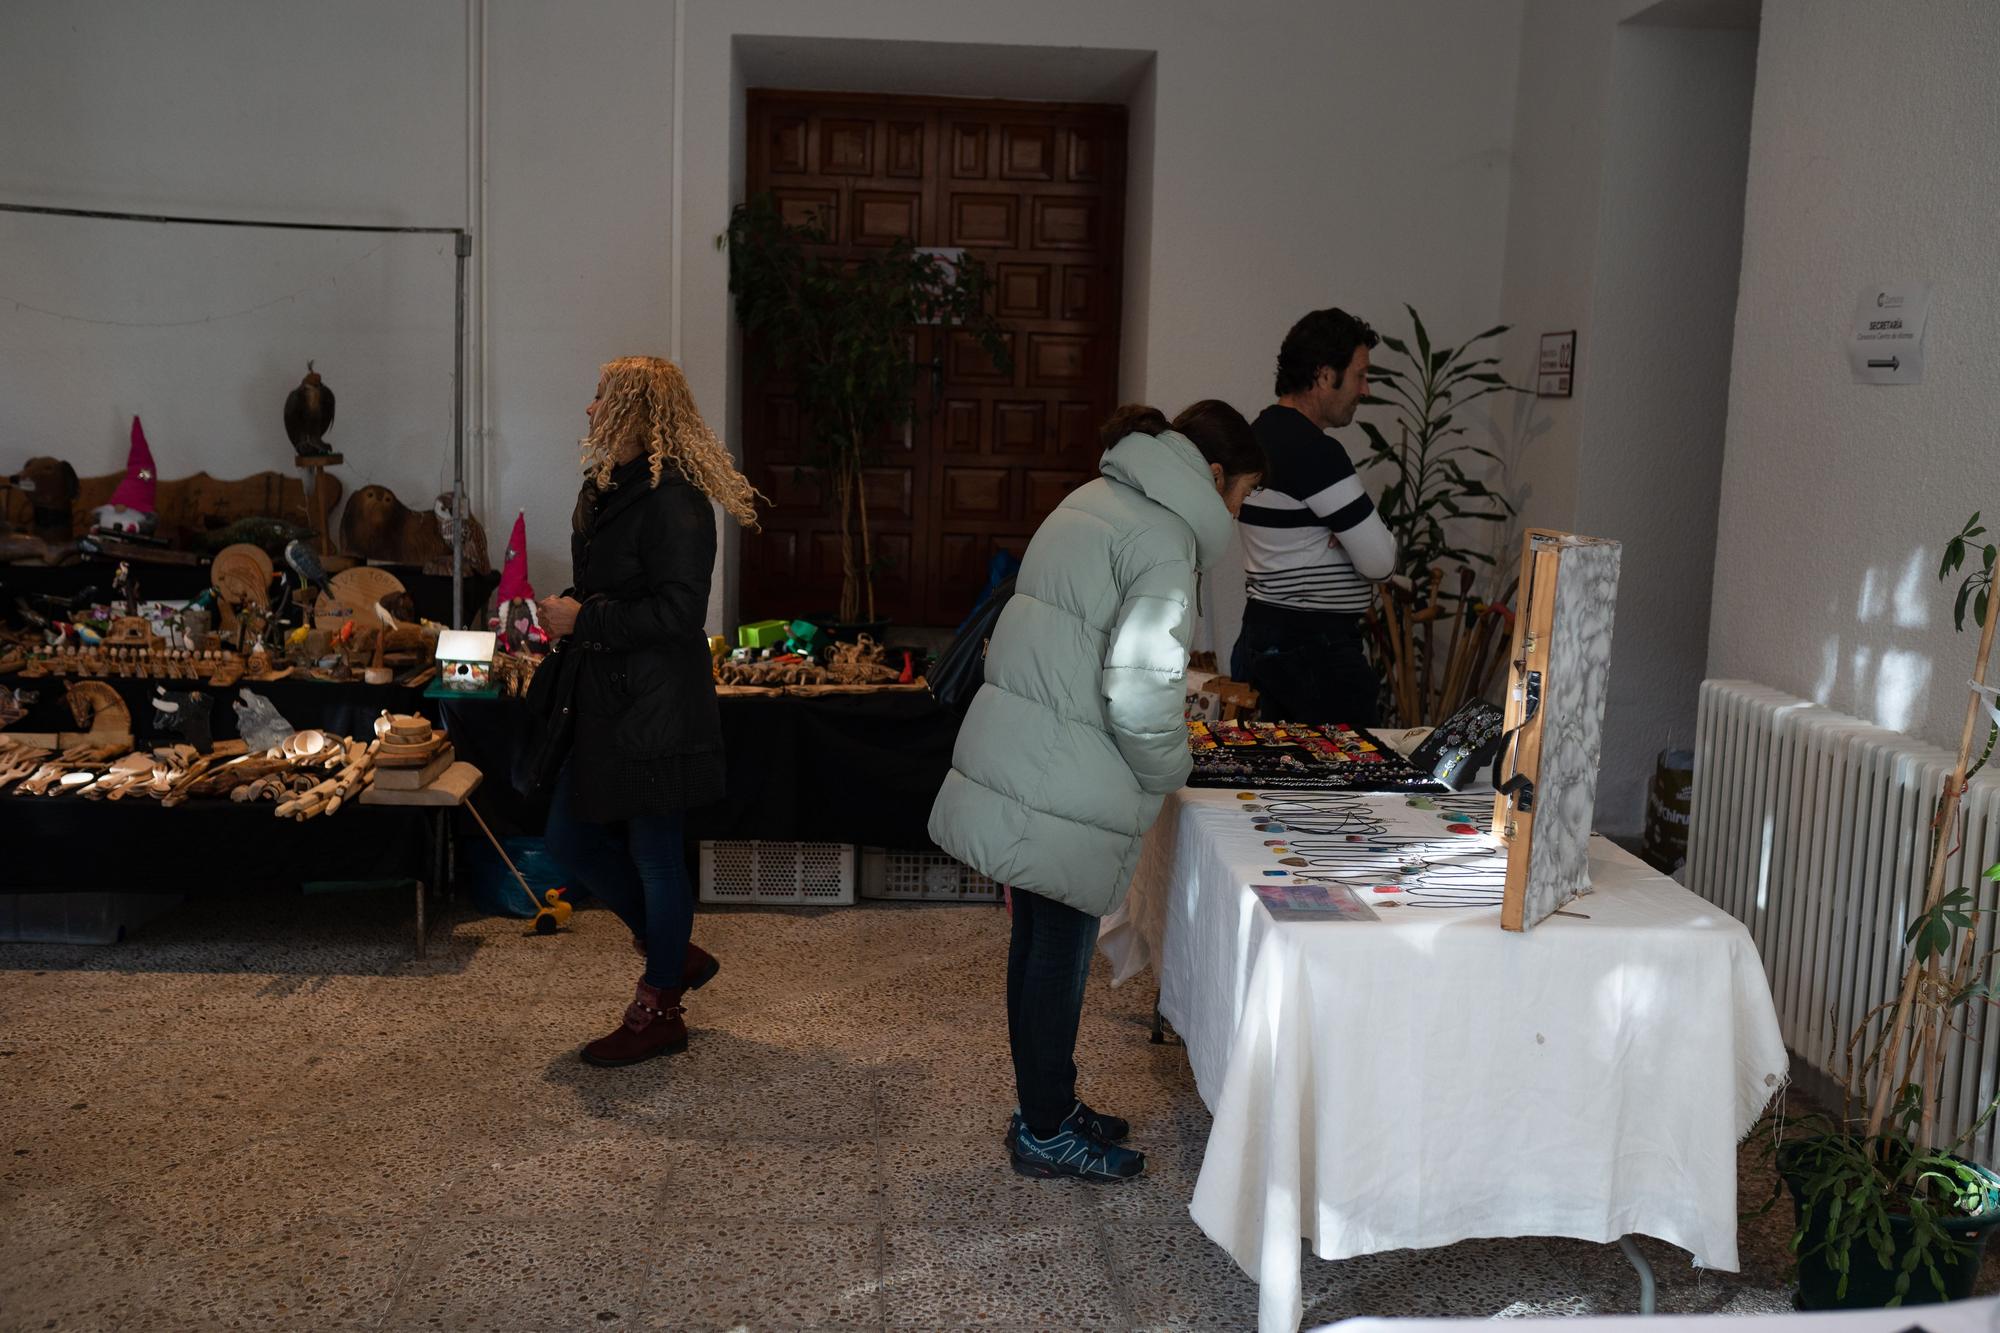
[1313,545]
[1078,734]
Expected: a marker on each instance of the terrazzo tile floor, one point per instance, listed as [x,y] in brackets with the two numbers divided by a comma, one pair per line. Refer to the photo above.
[263,1114]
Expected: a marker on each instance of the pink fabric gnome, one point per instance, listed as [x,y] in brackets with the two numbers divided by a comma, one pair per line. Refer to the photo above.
[515,619]
[131,508]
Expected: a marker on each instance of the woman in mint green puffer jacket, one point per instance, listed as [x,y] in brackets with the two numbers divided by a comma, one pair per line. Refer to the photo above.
[1078,735]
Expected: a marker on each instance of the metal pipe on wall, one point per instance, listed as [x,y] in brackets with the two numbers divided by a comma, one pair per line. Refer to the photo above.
[463,249]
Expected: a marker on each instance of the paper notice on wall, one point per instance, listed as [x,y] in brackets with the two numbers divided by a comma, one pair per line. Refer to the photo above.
[1888,342]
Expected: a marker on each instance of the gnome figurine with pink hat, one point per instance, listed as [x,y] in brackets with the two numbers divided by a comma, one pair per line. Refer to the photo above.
[515,619]
[131,507]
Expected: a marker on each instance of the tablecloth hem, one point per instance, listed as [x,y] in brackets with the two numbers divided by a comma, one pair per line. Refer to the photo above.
[1726,1261]
[1749,1115]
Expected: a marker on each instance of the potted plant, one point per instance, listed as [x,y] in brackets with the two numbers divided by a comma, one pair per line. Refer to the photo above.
[1428,493]
[1887,1212]
[843,330]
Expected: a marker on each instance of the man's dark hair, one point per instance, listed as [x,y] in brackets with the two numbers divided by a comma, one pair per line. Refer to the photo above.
[1323,338]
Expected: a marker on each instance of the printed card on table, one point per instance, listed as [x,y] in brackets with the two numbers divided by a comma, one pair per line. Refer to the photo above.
[1313,902]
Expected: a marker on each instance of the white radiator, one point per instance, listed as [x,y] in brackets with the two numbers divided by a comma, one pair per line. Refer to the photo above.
[1811,828]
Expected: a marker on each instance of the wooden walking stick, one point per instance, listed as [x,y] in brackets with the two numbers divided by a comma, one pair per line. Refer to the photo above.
[1498,641]
[1433,608]
[511,868]
[1391,661]
[1408,663]
[1947,822]
[1447,700]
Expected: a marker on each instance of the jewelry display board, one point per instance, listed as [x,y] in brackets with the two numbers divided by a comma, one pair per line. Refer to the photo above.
[1557,677]
[1299,756]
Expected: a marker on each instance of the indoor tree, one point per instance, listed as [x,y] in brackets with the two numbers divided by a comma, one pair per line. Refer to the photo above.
[1428,496]
[844,331]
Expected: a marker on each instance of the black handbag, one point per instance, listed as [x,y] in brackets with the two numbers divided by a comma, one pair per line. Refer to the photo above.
[957,675]
[550,711]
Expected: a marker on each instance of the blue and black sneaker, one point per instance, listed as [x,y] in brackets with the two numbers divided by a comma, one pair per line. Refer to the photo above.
[1104,1128]
[1071,1151]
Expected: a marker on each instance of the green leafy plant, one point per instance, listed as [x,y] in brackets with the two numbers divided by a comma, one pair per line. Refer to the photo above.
[1429,489]
[1876,1179]
[1977,585]
[843,330]
[1428,498]
[1879,1196]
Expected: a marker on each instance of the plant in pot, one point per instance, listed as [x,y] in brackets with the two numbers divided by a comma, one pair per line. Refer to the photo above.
[1888,1212]
[843,330]
[1428,496]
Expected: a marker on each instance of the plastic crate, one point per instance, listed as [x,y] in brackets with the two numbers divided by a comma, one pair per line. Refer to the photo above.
[923,877]
[813,874]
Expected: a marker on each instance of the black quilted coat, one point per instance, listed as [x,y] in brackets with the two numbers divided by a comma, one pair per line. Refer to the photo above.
[648,736]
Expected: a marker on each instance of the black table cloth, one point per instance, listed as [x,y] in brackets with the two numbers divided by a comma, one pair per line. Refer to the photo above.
[854,768]
[857,768]
[135,845]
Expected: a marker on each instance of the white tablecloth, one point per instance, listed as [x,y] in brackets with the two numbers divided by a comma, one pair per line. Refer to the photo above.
[1428,1077]
[1981,1316]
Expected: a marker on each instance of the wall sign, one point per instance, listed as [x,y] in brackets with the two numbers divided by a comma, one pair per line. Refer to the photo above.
[1888,342]
[1556,365]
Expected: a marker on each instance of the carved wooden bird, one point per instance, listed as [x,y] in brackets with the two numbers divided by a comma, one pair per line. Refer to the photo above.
[309,414]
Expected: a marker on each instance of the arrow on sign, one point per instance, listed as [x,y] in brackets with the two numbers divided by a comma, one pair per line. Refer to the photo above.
[1892,363]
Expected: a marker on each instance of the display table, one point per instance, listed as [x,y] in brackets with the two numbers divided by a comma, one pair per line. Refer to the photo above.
[1427,1078]
[347,707]
[179,582]
[69,844]
[1975,1316]
[443,798]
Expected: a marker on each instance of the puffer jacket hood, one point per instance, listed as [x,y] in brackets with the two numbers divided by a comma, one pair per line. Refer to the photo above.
[1079,731]
[1167,469]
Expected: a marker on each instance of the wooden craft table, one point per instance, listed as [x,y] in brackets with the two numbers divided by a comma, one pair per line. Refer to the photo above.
[453,789]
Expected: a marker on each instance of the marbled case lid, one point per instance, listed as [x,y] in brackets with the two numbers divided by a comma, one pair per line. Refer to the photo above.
[1572,713]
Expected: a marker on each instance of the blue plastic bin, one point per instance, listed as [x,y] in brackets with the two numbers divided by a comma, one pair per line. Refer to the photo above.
[493,889]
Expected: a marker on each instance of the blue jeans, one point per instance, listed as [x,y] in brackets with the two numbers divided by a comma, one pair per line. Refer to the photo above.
[1048,962]
[638,868]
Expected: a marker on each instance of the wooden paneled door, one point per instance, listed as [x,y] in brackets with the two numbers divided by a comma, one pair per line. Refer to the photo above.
[1036,191]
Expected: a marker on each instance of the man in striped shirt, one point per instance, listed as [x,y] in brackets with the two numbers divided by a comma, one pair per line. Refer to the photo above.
[1313,545]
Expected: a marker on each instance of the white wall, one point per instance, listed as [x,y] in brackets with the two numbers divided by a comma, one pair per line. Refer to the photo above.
[1555,178]
[1625,225]
[578,239]
[1663,306]
[1348,152]
[217,108]
[1872,158]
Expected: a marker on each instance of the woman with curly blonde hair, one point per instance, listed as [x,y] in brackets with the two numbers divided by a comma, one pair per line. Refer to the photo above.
[648,741]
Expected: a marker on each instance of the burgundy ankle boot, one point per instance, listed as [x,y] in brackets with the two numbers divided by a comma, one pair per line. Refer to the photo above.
[700,968]
[698,971]
[653,1025]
